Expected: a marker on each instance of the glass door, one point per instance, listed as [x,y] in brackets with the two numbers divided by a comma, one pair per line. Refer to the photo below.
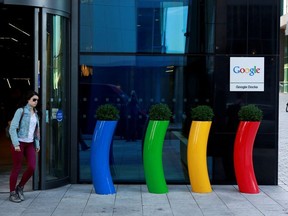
[55,78]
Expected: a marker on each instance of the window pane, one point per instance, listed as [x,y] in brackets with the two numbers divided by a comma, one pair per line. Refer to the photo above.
[146,26]
[178,81]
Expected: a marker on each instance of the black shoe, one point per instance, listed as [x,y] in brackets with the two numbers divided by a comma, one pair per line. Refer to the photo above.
[14,197]
[19,191]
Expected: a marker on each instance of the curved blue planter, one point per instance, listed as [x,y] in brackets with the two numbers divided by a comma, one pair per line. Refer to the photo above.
[99,159]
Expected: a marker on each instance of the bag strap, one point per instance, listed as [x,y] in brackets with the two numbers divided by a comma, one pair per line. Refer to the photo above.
[21,117]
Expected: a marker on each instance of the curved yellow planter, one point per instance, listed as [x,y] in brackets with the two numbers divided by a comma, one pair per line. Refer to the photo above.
[197,156]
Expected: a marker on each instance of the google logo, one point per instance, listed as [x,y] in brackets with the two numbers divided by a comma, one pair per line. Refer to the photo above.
[250,71]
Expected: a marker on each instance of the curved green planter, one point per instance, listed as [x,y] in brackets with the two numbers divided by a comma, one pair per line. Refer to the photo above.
[152,156]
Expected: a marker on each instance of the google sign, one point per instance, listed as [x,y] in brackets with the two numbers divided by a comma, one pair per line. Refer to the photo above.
[247,74]
[250,71]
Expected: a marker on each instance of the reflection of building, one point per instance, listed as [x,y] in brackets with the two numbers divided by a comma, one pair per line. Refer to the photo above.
[174,52]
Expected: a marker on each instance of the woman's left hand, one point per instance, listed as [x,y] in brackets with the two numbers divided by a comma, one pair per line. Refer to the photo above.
[37,150]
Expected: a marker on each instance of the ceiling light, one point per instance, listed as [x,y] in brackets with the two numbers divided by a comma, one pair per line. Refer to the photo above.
[8,83]
[14,39]
[19,29]
[8,38]
[169,71]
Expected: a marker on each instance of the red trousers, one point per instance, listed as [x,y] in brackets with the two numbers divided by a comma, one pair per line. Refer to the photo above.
[27,151]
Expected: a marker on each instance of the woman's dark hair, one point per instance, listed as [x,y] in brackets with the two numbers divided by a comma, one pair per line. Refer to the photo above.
[27,97]
[30,94]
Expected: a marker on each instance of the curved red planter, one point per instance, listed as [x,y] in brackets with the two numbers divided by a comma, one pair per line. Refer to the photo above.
[243,157]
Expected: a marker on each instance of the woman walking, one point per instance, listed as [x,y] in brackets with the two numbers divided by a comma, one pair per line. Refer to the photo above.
[25,136]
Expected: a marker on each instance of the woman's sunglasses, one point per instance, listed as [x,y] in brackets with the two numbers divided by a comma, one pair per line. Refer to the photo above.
[34,99]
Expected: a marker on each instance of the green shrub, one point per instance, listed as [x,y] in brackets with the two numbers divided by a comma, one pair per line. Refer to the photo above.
[250,113]
[202,113]
[107,112]
[160,112]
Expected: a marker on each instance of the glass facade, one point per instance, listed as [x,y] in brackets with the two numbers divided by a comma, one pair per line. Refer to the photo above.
[135,26]
[175,52]
[56,93]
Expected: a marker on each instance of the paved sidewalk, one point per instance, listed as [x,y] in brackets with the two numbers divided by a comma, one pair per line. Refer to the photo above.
[134,200]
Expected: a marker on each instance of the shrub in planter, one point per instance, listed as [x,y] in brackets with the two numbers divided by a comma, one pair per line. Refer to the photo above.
[160,112]
[202,113]
[107,112]
[250,113]
[197,148]
[159,115]
[107,117]
[250,117]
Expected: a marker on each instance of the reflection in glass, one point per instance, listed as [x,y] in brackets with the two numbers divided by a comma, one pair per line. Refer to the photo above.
[136,26]
[135,82]
[133,86]
[56,107]
[174,28]
[174,52]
